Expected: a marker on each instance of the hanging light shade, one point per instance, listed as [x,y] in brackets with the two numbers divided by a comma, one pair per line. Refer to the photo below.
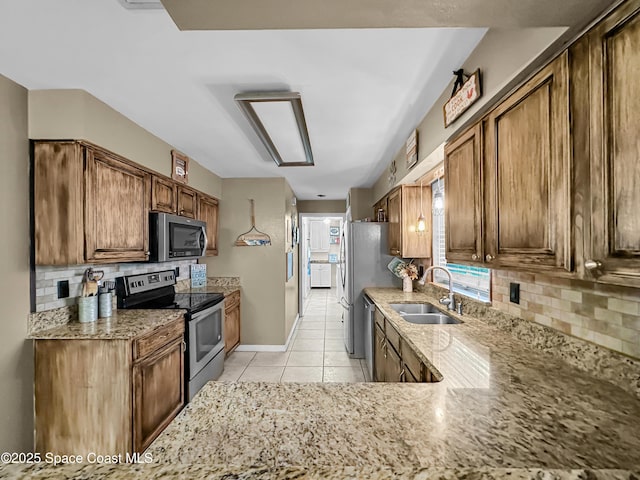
[421,226]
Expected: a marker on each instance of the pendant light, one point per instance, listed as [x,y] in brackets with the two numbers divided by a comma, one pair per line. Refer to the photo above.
[421,227]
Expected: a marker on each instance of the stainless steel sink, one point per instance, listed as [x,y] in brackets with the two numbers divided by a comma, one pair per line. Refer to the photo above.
[430,319]
[423,313]
[412,308]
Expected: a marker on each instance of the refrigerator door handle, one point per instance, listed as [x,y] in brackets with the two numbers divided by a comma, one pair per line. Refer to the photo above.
[344,304]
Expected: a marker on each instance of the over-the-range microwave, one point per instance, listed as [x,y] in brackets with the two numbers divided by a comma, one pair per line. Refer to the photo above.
[172,237]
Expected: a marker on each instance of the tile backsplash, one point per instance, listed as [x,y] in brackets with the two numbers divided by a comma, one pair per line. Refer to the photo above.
[607,315]
[47,279]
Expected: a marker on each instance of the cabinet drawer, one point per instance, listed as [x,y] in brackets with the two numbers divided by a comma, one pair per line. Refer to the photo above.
[160,337]
[231,301]
[393,337]
[411,360]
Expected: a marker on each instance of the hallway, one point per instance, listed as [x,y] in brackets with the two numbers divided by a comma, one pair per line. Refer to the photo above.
[316,352]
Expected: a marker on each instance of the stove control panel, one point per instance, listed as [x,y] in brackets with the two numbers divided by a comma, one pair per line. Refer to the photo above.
[149,281]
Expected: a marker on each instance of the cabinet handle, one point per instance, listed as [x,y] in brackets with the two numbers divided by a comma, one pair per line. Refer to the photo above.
[184,346]
[474,257]
[181,212]
[489,257]
[593,265]
[147,253]
[395,251]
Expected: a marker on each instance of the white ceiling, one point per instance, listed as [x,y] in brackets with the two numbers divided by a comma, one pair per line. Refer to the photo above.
[362,90]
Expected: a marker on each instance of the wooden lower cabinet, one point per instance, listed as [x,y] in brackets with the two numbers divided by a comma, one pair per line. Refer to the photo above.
[107,396]
[393,359]
[157,393]
[232,322]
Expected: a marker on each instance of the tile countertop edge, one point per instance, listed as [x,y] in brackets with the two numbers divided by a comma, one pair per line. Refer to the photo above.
[123,325]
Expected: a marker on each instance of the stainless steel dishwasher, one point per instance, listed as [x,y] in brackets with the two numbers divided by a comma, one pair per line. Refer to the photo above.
[369,328]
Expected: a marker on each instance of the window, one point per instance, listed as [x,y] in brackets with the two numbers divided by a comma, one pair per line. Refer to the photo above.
[474,282]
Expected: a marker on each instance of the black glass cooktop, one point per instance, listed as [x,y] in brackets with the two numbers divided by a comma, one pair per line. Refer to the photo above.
[193,302]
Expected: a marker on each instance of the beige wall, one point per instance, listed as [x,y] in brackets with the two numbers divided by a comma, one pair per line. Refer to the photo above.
[361,203]
[16,354]
[501,55]
[75,114]
[291,286]
[322,206]
[262,270]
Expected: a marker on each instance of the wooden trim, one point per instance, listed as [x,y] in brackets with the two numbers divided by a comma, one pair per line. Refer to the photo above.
[432,175]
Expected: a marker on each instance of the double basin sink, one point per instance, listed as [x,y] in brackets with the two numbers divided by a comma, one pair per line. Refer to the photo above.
[422,313]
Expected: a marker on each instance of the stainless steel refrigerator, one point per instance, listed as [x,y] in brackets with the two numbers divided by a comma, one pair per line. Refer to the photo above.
[364,256]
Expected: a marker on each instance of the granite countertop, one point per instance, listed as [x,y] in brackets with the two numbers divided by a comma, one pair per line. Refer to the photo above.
[500,404]
[502,410]
[122,325]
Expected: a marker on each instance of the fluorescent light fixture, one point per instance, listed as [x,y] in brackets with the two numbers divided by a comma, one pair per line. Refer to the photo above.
[278,119]
[141,4]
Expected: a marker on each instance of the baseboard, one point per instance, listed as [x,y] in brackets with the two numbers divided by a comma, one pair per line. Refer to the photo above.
[270,348]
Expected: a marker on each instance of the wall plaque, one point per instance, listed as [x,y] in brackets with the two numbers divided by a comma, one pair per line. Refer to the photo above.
[465,94]
[179,166]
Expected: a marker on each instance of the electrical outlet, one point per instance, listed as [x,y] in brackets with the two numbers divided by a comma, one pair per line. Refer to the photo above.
[63,289]
[514,293]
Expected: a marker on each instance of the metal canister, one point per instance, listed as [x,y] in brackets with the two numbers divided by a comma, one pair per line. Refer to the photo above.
[104,304]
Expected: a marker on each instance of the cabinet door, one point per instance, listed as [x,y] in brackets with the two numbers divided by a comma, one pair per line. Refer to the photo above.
[57,203]
[163,195]
[232,324]
[208,212]
[187,202]
[158,393]
[407,376]
[527,183]
[319,236]
[316,275]
[111,186]
[394,204]
[415,200]
[393,371]
[463,205]
[615,151]
[379,355]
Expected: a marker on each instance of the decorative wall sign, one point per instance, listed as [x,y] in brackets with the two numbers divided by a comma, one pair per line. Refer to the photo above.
[179,166]
[334,231]
[412,149]
[465,93]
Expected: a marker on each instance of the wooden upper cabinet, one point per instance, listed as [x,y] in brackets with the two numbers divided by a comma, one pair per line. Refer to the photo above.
[527,175]
[58,210]
[614,62]
[208,212]
[404,206]
[394,205]
[164,195]
[463,204]
[110,185]
[187,202]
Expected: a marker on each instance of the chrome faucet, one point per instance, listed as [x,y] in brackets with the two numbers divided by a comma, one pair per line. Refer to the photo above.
[450,302]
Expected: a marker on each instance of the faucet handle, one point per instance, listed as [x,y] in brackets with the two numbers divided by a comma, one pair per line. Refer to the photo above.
[445,301]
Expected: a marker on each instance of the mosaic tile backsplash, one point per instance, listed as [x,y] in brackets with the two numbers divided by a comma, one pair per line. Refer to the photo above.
[607,315]
[47,279]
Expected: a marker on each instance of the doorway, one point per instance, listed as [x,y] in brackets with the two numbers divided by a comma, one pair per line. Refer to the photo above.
[320,235]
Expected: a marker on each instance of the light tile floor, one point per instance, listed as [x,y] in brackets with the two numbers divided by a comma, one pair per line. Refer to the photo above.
[316,352]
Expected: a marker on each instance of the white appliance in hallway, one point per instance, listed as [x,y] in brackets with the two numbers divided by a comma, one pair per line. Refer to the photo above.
[364,256]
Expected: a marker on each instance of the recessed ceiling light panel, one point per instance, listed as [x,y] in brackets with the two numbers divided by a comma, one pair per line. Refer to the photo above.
[278,120]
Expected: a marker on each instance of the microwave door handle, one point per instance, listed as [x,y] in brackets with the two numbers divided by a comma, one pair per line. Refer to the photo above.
[206,240]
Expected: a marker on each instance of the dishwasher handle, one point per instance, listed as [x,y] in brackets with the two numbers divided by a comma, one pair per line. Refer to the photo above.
[369,305]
